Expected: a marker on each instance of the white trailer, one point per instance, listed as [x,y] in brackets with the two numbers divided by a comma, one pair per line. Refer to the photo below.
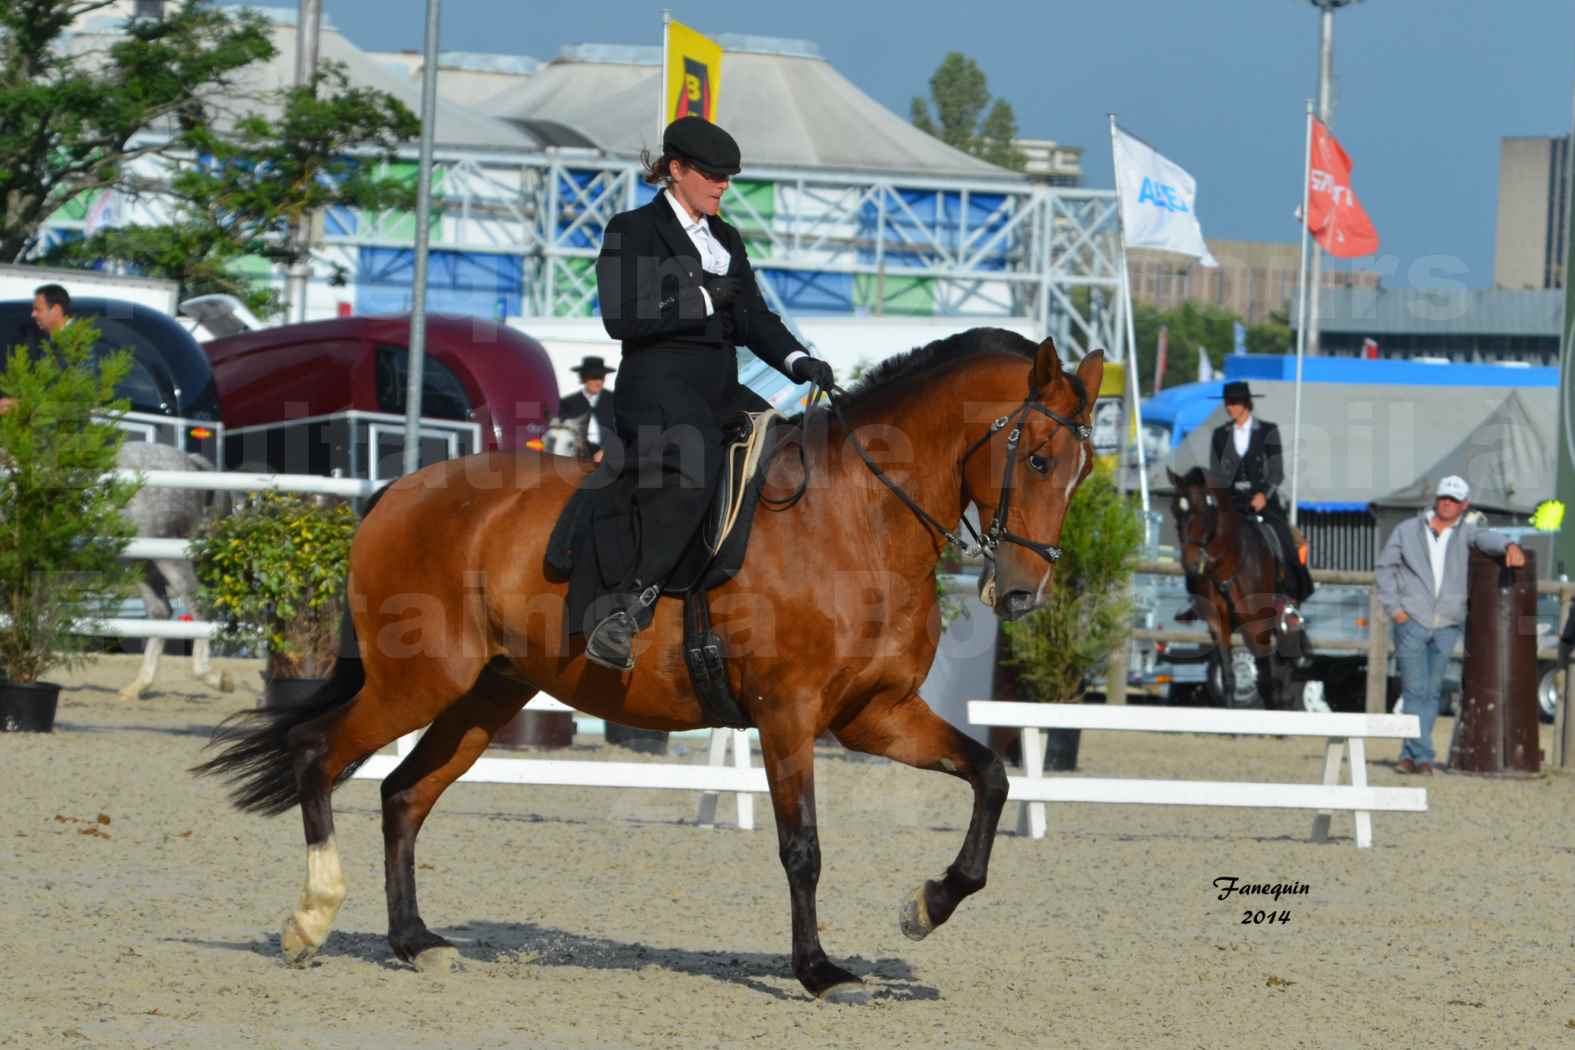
[18,282]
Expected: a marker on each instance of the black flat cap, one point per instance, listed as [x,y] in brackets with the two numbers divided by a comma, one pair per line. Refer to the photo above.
[698,142]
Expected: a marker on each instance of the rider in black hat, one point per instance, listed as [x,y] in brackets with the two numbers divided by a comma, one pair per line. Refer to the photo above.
[593,400]
[1246,456]
[676,287]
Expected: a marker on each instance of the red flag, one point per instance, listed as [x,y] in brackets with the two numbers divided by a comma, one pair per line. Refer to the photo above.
[1334,216]
[1370,349]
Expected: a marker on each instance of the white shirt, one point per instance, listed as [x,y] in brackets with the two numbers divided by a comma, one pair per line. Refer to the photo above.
[714,259]
[593,429]
[1242,435]
[1437,548]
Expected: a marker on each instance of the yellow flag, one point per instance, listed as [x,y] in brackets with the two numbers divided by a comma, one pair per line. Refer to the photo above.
[694,74]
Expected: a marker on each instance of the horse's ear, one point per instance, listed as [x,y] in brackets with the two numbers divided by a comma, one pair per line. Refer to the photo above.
[1047,367]
[1091,370]
[1175,479]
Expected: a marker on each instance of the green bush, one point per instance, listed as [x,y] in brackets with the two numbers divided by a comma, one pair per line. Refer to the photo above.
[61,527]
[273,573]
[1087,612]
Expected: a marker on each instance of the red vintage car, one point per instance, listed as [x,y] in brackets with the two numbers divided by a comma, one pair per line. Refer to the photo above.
[275,379]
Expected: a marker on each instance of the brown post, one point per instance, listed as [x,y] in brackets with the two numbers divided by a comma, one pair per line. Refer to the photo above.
[1116,669]
[1377,655]
[1116,674]
[1498,730]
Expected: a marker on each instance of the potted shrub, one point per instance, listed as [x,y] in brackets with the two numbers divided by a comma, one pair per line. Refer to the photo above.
[1054,652]
[61,527]
[273,572]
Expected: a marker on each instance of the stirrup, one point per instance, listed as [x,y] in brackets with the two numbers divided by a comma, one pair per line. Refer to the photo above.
[611,642]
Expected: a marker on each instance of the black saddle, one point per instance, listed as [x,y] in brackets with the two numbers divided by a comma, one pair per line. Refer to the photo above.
[595,545]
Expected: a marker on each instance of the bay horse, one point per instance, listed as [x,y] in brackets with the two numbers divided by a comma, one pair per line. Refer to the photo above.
[1233,580]
[831,625]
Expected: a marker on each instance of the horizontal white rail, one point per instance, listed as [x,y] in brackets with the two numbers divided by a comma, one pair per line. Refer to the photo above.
[242,482]
[560,773]
[1216,793]
[116,628]
[1191,720]
[148,547]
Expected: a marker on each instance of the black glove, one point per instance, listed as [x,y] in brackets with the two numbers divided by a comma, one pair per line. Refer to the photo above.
[722,290]
[813,370]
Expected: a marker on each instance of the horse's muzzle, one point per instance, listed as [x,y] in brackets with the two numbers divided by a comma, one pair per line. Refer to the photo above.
[1014,605]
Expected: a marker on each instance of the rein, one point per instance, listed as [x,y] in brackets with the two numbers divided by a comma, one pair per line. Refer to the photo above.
[983,546]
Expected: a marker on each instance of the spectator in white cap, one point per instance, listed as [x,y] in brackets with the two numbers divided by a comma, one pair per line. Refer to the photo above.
[1422,585]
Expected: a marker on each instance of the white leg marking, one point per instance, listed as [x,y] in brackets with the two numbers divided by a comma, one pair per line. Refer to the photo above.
[321,897]
[200,650]
[150,669]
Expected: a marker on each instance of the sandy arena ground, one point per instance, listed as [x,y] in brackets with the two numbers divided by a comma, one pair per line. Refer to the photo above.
[594,918]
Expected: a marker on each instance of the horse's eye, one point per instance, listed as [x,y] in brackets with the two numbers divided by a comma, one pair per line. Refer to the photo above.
[1183,504]
[1039,463]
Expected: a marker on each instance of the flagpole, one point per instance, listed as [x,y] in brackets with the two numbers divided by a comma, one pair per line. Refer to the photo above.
[661,81]
[1301,313]
[1133,375]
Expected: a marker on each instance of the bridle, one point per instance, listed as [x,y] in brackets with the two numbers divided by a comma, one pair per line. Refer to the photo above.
[984,546]
[1211,502]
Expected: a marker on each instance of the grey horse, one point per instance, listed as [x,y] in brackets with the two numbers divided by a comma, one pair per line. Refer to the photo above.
[165,513]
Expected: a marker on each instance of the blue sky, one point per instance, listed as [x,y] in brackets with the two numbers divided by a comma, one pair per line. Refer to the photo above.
[1424,88]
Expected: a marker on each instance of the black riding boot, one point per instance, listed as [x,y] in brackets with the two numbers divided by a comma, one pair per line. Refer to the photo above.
[611,642]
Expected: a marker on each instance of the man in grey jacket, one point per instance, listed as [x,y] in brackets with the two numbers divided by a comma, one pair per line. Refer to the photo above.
[1422,585]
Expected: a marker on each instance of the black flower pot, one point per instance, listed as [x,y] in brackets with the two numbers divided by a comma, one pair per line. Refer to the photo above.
[290,692]
[1061,749]
[543,730]
[645,741]
[28,707]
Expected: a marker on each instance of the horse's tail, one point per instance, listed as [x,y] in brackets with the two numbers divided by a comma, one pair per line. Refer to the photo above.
[257,757]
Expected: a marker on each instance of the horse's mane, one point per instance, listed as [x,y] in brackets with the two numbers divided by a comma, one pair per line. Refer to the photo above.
[942,353]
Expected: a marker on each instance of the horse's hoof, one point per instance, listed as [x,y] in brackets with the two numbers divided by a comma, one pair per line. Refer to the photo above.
[848,993]
[914,917]
[441,960]
[129,694]
[226,684]
[297,950]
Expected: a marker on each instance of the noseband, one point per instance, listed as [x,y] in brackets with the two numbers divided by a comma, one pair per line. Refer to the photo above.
[983,546]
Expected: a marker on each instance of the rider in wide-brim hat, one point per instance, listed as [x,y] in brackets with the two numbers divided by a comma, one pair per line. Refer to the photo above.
[1246,456]
[676,287]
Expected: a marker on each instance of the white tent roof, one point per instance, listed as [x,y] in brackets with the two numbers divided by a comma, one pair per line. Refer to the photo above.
[457,126]
[1365,443]
[787,107]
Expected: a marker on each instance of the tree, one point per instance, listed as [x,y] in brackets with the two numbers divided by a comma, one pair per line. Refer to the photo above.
[1194,330]
[70,115]
[1087,612]
[62,527]
[960,93]
[238,193]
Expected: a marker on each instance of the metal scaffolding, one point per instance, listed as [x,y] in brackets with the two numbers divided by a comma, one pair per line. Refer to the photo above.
[823,242]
